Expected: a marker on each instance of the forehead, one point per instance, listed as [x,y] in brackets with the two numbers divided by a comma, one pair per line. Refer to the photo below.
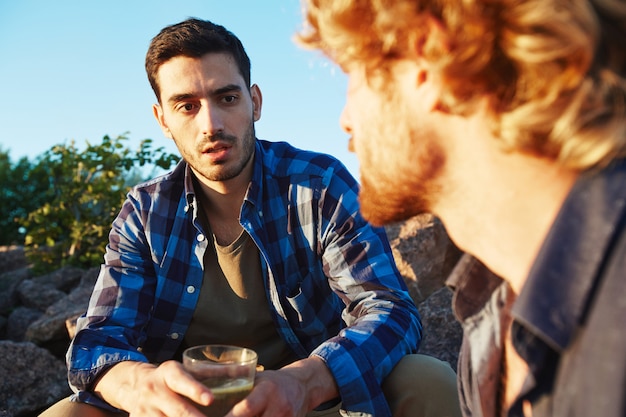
[191,75]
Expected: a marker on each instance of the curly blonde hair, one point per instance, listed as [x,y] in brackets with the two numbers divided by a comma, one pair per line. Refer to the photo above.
[553,70]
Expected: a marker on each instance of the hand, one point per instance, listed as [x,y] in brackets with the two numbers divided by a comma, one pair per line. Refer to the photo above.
[142,389]
[288,392]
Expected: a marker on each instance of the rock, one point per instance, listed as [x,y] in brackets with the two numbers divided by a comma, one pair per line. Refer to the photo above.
[18,322]
[442,332]
[424,254]
[80,297]
[51,326]
[39,295]
[51,330]
[9,282]
[12,258]
[3,328]
[32,378]
[64,279]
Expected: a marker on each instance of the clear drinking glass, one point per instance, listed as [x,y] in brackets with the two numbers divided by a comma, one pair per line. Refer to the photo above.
[228,371]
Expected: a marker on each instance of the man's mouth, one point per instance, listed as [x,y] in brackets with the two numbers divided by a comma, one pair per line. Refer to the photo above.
[216,147]
[217,152]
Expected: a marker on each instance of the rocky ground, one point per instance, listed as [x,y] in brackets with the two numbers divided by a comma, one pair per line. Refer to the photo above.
[37,314]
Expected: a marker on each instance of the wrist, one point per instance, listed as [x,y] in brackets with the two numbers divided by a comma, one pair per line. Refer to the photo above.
[117,384]
[319,382]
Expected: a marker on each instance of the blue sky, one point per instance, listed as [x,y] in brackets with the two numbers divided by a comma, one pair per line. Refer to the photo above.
[73,70]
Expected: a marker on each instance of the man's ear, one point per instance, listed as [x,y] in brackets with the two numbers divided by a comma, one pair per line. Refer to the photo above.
[257,101]
[432,44]
[157,110]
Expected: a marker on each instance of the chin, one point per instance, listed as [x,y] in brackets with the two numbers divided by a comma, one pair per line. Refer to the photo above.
[412,186]
[390,203]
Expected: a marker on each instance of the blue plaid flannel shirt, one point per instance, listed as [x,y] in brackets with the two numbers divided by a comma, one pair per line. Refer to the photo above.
[330,277]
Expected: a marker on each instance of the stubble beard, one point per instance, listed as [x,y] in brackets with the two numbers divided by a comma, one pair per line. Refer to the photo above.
[411,187]
[220,172]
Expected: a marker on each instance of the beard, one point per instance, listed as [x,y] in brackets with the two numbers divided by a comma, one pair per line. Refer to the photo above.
[411,187]
[228,169]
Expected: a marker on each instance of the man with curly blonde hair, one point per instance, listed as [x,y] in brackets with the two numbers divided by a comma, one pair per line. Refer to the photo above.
[507,120]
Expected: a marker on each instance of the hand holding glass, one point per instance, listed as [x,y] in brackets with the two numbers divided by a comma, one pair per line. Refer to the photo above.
[228,371]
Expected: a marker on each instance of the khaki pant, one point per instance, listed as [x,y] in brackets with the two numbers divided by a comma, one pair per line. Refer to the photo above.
[419,386]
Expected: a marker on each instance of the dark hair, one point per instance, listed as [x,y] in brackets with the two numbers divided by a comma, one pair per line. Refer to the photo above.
[194,38]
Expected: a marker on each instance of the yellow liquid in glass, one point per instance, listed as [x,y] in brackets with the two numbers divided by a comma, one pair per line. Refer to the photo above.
[225,395]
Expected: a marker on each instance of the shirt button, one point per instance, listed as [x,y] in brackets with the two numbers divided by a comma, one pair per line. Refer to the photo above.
[200,238]
[174,336]
[191,289]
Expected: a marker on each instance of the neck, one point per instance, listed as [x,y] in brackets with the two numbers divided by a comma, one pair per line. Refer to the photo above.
[500,206]
[223,199]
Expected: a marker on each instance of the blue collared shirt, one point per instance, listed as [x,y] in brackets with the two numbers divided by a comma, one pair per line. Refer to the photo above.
[330,277]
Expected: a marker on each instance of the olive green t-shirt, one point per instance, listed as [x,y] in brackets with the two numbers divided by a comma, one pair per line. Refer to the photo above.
[233,307]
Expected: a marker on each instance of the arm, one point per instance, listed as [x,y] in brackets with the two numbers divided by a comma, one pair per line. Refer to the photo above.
[382,321]
[124,324]
[112,329]
[339,297]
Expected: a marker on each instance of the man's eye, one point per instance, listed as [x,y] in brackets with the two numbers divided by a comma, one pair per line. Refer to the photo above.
[230,99]
[185,107]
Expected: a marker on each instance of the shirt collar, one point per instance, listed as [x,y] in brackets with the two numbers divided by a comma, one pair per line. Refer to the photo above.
[560,283]
[472,283]
[255,190]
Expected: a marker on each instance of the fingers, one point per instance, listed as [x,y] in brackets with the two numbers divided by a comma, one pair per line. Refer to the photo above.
[181,382]
[168,390]
[272,396]
[167,404]
[253,405]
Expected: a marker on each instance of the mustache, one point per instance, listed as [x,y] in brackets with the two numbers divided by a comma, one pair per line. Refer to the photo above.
[219,136]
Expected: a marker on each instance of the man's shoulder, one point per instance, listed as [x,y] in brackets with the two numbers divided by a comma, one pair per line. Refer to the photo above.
[165,187]
[282,158]
[174,176]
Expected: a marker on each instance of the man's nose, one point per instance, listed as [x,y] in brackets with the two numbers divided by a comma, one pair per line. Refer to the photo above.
[211,120]
[345,122]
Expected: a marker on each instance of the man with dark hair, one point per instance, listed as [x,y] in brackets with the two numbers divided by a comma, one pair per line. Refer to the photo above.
[251,243]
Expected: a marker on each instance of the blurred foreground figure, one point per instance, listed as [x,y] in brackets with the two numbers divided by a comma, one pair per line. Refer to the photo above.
[507,120]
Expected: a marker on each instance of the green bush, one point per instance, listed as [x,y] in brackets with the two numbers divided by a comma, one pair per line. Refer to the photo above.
[24,189]
[80,193]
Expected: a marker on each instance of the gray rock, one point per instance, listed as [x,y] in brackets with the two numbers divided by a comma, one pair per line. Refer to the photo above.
[39,295]
[51,326]
[9,282]
[424,254]
[12,258]
[443,334]
[18,322]
[32,378]
[64,279]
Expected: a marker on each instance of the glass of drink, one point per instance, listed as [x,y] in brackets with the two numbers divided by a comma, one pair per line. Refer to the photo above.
[228,371]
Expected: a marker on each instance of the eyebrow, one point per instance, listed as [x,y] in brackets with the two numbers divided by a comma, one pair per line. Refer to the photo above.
[222,90]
